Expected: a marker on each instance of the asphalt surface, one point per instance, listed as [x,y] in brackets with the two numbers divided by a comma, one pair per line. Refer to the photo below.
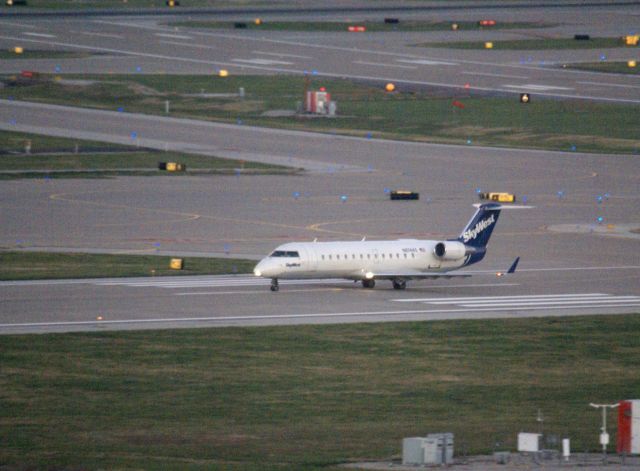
[155,45]
[571,263]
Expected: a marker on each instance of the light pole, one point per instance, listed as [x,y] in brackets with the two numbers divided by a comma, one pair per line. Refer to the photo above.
[604,436]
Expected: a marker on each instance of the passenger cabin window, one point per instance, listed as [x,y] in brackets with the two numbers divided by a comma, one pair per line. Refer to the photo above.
[285,253]
[322,257]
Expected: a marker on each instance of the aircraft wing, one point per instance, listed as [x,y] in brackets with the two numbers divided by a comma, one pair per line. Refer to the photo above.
[415,274]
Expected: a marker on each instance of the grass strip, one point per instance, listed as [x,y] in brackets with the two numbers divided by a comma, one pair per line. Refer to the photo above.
[49,265]
[306,397]
[42,54]
[606,67]
[451,117]
[532,44]
[128,4]
[25,155]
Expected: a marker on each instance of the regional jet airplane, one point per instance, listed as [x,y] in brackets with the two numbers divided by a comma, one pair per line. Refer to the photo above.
[395,260]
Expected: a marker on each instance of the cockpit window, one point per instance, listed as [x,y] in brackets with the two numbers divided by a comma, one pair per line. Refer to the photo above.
[285,253]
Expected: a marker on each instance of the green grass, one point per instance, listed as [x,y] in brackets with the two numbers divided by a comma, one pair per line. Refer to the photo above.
[45,265]
[607,67]
[117,4]
[533,44]
[72,158]
[40,54]
[363,110]
[305,397]
[337,26]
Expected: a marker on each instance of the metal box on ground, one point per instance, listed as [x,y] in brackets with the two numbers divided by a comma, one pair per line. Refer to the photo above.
[529,442]
[435,448]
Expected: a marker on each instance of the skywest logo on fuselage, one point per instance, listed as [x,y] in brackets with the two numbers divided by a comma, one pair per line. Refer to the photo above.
[480,226]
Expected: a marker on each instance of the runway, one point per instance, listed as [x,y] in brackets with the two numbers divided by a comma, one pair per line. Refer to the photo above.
[571,264]
[243,300]
[154,45]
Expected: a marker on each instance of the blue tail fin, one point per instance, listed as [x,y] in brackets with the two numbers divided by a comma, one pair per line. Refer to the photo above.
[477,232]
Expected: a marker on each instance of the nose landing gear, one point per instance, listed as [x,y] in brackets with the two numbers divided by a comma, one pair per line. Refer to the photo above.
[274,284]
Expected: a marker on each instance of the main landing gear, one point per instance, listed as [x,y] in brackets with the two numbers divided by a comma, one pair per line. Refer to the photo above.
[399,284]
[274,284]
[368,283]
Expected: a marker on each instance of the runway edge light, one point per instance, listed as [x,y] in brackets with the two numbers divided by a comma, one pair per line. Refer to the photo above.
[525,98]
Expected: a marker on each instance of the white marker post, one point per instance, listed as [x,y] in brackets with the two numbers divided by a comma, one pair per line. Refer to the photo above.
[604,436]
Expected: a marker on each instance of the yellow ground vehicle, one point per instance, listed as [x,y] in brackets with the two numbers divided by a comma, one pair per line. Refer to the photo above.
[498,197]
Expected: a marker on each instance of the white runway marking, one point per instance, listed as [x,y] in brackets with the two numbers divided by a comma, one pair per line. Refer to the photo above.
[173,36]
[536,87]
[39,35]
[261,61]
[466,313]
[279,54]
[178,43]
[484,74]
[425,62]
[566,301]
[250,280]
[101,35]
[609,84]
[378,64]
[317,290]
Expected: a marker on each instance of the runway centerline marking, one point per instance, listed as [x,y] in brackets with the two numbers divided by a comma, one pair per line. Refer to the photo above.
[259,61]
[378,64]
[609,84]
[39,35]
[280,54]
[195,46]
[328,315]
[426,62]
[536,87]
[173,36]
[100,35]
[486,74]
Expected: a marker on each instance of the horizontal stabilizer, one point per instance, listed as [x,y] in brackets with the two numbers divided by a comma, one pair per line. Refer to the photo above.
[503,206]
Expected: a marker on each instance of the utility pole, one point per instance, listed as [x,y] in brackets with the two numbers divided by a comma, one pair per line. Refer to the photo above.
[604,436]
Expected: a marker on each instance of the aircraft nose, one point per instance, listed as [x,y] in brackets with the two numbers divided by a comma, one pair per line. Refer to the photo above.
[259,268]
[264,268]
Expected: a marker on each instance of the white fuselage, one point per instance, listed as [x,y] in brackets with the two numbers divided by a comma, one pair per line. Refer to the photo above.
[357,260]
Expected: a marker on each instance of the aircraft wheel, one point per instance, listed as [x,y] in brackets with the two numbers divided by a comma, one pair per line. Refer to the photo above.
[274,285]
[368,283]
[399,284]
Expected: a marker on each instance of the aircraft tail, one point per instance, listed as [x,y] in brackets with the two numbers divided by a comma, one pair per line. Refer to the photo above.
[478,231]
